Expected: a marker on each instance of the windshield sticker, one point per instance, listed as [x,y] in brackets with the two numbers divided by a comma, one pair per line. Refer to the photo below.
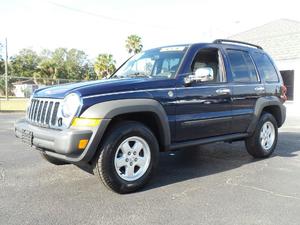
[172,49]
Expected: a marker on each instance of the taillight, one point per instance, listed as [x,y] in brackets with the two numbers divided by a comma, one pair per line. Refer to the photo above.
[283,92]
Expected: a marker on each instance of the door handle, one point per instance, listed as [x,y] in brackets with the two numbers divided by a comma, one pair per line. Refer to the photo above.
[223,91]
[259,88]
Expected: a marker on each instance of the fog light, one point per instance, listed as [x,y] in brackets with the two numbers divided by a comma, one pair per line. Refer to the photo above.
[85,122]
[82,144]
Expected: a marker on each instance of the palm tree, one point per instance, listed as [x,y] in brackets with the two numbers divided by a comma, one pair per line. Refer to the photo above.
[134,44]
[104,65]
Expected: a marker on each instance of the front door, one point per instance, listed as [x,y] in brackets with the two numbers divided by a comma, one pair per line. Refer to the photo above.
[203,109]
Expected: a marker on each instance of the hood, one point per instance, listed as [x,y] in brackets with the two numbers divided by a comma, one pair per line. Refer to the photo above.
[95,87]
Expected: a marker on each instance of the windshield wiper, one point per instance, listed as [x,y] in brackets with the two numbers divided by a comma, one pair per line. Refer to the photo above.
[138,74]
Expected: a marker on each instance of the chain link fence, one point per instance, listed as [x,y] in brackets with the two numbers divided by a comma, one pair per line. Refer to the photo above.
[23,87]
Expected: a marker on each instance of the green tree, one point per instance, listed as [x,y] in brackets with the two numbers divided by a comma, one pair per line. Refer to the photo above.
[2,64]
[2,86]
[89,72]
[58,59]
[46,72]
[76,62]
[134,44]
[63,64]
[104,65]
[25,63]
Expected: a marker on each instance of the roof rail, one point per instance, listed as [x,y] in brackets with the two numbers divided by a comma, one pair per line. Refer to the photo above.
[220,41]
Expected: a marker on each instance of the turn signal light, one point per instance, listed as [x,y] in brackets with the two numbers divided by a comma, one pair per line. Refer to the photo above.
[85,122]
[82,144]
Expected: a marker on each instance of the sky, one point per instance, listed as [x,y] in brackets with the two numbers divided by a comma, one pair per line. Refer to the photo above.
[102,26]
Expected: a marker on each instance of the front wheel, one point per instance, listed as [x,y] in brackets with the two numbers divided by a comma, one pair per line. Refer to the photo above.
[263,141]
[127,157]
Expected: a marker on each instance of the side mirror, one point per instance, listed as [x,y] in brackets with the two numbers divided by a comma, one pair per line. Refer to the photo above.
[201,75]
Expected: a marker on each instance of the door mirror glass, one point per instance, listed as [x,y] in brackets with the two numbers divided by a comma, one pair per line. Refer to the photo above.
[201,75]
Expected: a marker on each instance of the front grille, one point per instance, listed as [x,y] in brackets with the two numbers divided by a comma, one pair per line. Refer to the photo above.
[43,112]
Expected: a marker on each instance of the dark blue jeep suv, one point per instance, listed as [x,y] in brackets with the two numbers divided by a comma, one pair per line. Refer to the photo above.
[159,100]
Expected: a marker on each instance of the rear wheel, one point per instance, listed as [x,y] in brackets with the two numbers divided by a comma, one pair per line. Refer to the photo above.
[127,158]
[52,160]
[264,140]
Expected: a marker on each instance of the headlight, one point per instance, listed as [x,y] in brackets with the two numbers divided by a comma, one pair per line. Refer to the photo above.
[70,105]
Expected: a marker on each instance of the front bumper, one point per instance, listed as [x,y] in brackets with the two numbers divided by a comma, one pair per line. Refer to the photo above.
[62,144]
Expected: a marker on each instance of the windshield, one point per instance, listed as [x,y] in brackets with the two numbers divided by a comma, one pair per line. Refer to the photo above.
[155,63]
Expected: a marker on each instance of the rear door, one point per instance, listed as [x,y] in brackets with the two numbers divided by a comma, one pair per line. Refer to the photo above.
[246,88]
[268,73]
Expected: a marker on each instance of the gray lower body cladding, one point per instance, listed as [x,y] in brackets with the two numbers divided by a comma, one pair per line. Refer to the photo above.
[62,144]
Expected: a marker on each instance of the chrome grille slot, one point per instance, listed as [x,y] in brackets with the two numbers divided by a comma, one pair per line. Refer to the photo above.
[32,106]
[43,112]
[38,119]
[54,114]
[49,111]
[35,110]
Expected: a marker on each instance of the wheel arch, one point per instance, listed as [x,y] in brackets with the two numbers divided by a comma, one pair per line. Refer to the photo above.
[271,105]
[147,111]
[275,111]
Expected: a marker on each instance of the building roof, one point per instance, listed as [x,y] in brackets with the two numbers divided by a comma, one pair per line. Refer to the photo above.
[280,38]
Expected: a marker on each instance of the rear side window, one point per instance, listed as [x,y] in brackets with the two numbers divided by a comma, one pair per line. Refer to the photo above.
[265,67]
[242,67]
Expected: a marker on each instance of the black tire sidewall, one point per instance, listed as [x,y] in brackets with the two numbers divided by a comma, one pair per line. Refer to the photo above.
[253,143]
[107,155]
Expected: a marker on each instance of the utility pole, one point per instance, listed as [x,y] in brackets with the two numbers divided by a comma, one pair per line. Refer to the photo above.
[6,70]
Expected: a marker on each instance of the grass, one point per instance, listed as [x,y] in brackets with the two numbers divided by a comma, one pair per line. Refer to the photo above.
[13,104]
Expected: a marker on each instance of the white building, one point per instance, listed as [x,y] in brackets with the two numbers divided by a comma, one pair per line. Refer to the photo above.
[281,39]
[24,88]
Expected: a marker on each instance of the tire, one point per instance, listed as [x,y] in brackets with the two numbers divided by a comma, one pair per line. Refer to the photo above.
[139,162]
[52,160]
[262,144]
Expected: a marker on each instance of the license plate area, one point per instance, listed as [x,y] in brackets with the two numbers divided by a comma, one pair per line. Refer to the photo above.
[27,137]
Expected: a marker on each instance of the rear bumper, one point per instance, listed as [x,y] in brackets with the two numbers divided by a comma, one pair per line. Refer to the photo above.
[62,144]
[283,115]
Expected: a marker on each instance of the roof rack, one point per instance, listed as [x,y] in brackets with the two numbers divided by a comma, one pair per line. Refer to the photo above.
[220,41]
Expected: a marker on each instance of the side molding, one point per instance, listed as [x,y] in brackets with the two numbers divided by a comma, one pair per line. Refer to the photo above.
[110,109]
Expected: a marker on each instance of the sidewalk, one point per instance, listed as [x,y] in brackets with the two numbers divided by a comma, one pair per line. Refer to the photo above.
[13,104]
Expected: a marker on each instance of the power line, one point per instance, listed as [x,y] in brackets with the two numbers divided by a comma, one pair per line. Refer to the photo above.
[104,16]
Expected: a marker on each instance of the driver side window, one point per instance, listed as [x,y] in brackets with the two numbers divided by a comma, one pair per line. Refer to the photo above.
[210,58]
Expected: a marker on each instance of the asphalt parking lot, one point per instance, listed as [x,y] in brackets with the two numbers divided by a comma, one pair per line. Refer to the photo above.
[212,184]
